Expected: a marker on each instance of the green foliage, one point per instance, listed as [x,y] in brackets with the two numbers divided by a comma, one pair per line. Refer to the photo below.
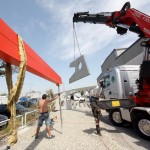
[50,93]
[3,94]
[5,129]
[2,68]
[31,118]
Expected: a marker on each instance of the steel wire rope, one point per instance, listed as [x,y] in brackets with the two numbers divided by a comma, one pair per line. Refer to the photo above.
[75,39]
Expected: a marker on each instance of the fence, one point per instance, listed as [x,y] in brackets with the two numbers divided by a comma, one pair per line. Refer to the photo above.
[4,130]
[28,118]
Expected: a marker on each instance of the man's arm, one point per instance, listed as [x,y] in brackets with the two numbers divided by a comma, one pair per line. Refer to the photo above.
[38,107]
[50,100]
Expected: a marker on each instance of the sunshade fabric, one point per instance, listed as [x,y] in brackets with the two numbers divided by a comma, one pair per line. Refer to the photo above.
[9,52]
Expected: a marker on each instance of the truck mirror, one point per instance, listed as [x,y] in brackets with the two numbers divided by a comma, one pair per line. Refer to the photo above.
[102,84]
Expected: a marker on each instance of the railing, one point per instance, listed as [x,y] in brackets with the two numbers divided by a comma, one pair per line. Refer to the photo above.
[28,118]
[18,121]
[4,130]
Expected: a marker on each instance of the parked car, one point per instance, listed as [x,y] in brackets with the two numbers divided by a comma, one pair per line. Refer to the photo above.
[4,110]
[20,109]
[34,100]
[32,103]
[78,97]
[22,99]
[3,122]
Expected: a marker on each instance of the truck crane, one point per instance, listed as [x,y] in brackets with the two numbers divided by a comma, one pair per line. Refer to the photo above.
[136,109]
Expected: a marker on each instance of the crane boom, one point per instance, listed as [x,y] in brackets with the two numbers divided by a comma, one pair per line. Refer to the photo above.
[135,21]
[100,18]
[125,19]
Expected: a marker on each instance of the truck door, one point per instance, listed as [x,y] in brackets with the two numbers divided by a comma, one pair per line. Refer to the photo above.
[126,84]
[133,76]
[110,85]
[129,78]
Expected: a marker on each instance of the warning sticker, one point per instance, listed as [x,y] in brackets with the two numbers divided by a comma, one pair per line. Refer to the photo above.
[115,103]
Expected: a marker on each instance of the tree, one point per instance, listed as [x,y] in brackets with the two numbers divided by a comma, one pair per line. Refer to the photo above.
[3,94]
[3,66]
[50,93]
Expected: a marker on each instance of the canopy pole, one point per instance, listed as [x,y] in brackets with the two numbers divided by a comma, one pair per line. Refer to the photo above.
[60,109]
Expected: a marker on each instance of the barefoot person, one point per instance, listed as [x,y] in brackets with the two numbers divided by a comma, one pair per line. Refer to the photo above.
[44,115]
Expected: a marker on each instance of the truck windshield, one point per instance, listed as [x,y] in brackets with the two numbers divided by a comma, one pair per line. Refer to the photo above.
[106,81]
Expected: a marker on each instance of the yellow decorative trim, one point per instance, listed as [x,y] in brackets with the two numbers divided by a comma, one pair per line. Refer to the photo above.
[15,91]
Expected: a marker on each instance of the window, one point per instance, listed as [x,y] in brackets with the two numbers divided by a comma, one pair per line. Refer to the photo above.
[106,81]
[112,79]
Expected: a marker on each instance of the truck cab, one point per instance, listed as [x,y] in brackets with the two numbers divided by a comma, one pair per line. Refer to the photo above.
[120,81]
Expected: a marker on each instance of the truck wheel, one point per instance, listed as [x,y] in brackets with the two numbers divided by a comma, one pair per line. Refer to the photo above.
[115,117]
[141,124]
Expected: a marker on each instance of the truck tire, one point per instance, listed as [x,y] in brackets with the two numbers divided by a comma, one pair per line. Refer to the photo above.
[141,124]
[115,117]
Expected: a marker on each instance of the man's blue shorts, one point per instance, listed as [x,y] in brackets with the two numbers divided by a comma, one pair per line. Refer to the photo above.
[44,117]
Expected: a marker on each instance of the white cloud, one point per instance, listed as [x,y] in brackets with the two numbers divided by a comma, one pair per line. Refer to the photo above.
[91,38]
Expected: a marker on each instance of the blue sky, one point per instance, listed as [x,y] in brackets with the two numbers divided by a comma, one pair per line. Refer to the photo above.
[46,25]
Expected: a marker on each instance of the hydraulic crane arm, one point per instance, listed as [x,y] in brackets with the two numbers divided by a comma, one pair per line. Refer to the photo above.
[91,18]
[135,21]
[125,19]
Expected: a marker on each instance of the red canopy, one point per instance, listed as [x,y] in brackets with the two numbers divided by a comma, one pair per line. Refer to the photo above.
[9,52]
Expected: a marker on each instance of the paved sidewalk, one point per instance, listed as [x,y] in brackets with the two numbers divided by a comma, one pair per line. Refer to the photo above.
[78,134]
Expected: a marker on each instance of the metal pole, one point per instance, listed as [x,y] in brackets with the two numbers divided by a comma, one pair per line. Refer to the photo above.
[60,110]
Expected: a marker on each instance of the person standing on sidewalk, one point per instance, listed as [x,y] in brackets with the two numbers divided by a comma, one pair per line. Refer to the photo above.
[44,115]
[96,112]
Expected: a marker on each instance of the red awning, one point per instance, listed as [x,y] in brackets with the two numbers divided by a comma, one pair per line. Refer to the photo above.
[9,52]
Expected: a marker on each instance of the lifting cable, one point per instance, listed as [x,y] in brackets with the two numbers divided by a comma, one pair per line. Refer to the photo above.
[79,64]
[75,39]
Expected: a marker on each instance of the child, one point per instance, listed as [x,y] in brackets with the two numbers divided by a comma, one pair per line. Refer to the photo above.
[53,121]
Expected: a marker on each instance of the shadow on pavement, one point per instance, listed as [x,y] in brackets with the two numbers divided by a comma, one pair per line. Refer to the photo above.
[87,113]
[143,143]
[57,131]
[128,130]
[36,142]
[90,131]
[93,130]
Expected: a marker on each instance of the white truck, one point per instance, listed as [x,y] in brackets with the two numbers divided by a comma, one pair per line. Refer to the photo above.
[135,109]
[119,84]
[120,81]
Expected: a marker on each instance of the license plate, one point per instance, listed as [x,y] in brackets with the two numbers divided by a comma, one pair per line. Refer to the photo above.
[115,103]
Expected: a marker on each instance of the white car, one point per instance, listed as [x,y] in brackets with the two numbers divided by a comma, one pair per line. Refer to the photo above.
[78,97]
[3,121]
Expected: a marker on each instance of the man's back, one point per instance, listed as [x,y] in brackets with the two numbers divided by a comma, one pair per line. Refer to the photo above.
[43,105]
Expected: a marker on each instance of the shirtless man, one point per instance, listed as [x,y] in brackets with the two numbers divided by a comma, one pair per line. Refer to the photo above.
[44,115]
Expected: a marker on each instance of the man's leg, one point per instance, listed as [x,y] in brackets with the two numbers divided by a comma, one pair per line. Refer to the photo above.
[97,125]
[97,121]
[50,136]
[48,130]
[37,132]
[40,122]
[48,125]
